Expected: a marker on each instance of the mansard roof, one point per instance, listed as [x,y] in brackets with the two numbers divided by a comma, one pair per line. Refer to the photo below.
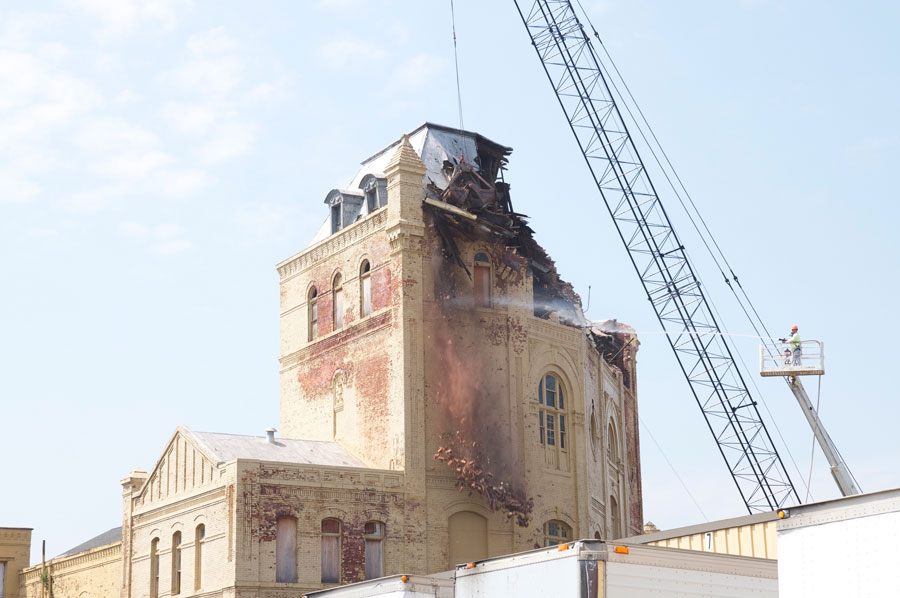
[228,447]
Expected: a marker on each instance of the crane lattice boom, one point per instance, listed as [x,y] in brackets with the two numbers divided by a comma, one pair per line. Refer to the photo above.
[575,72]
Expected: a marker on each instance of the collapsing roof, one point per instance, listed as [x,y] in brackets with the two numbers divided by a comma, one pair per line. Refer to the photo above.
[435,145]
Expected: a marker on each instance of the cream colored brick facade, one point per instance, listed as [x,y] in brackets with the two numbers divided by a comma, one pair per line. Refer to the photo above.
[384,387]
[15,550]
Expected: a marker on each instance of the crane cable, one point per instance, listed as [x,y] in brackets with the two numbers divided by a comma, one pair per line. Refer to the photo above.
[456,63]
[693,222]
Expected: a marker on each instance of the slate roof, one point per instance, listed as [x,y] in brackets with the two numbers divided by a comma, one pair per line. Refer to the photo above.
[108,537]
[227,447]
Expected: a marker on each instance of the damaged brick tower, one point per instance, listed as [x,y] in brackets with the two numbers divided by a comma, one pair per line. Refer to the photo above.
[443,399]
[427,333]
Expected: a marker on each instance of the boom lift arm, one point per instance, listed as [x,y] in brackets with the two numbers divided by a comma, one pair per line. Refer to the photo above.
[575,72]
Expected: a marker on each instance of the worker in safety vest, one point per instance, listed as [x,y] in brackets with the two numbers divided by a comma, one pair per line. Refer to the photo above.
[793,343]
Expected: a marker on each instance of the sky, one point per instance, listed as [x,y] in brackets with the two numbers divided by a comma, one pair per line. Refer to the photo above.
[158,158]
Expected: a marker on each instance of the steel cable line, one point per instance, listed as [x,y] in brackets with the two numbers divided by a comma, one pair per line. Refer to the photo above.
[700,234]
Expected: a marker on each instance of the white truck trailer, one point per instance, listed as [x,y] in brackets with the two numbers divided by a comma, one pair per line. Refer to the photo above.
[844,547]
[585,569]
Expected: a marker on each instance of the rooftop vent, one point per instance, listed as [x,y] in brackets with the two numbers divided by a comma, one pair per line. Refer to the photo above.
[270,435]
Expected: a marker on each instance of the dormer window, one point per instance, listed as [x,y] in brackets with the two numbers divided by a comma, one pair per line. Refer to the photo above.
[375,192]
[345,206]
[371,191]
[335,218]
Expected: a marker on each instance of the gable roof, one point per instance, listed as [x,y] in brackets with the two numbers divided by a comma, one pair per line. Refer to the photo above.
[227,447]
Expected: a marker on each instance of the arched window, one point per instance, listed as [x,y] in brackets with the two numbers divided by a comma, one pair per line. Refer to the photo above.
[331,551]
[595,435]
[286,550]
[615,528]
[337,294]
[612,443]
[365,289]
[482,280]
[556,532]
[176,563]
[199,534]
[374,534]
[552,421]
[312,302]
[154,568]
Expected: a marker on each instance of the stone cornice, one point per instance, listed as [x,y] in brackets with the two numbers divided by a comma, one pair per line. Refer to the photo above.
[336,242]
[83,560]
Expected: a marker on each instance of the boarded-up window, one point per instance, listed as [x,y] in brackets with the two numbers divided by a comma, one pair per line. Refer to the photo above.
[199,534]
[154,568]
[337,293]
[286,550]
[331,551]
[374,533]
[313,306]
[365,289]
[468,537]
[176,563]
[482,280]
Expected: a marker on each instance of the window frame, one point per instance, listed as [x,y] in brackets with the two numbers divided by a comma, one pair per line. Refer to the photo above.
[332,537]
[337,301]
[551,539]
[553,432]
[312,313]
[199,535]
[365,288]
[285,549]
[176,563]
[374,570]
[154,568]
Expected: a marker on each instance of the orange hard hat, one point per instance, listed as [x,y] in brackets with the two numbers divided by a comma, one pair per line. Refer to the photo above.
[794,327]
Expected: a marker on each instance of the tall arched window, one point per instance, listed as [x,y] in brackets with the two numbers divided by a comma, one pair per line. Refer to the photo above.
[482,280]
[286,550]
[331,551]
[176,563]
[556,532]
[615,524]
[552,421]
[337,295]
[312,305]
[365,289]
[154,568]
[374,534]
[199,534]
[612,443]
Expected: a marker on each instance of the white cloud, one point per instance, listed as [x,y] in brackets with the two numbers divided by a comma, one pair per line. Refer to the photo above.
[181,183]
[15,188]
[191,118]
[341,53]
[167,239]
[230,141]
[417,72]
[120,17]
[343,6]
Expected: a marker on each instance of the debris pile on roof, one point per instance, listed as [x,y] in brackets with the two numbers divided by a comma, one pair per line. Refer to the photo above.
[472,476]
[473,208]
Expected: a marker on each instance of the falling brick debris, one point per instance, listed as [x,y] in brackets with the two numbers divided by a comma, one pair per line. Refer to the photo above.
[472,474]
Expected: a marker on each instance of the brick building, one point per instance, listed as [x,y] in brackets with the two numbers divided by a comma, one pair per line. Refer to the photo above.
[443,399]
